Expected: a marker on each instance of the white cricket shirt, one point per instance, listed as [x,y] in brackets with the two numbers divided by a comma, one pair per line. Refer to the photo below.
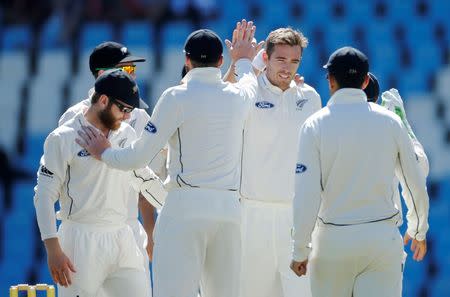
[348,152]
[138,119]
[88,190]
[202,120]
[271,140]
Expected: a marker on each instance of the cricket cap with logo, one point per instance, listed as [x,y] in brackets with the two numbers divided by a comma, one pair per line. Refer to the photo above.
[108,54]
[118,84]
[203,46]
[347,61]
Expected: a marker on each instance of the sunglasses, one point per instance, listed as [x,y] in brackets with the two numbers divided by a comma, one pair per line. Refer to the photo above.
[122,108]
[131,69]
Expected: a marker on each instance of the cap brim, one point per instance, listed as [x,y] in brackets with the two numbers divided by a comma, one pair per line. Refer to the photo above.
[132,59]
[142,104]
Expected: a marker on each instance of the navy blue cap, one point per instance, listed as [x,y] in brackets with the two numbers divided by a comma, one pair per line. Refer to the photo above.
[204,46]
[108,54]
[118,84]
[373,88]
[348,61]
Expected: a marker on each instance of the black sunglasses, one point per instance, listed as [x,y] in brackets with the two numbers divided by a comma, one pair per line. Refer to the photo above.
[122,107]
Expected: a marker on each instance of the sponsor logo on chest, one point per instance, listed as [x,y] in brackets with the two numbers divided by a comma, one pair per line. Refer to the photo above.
[150,128]
[83,153]
[264,104]
[300,168]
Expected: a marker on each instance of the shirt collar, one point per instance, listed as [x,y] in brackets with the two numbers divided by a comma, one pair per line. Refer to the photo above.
[91,92]
[347,96]
[274,89]
[206,74]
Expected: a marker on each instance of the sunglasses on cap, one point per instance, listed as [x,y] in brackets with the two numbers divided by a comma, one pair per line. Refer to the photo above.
[131,69]
[122,108]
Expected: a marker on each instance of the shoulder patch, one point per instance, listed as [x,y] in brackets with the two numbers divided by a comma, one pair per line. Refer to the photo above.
[46,172]
[264,104]
[150,128]
[300,168]
[83,153]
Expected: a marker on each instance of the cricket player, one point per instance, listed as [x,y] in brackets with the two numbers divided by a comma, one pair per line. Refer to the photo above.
[94,249]
[267,184]
[348,155]
[392,100]
[197,235]
[109,55]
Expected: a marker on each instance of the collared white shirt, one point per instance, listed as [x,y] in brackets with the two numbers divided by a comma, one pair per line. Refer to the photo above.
[202,120]
[271,140]
[348,152]
[87,189]
[138,119]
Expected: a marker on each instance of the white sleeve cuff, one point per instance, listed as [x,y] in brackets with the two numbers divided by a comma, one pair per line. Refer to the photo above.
[300,254]
[47,236]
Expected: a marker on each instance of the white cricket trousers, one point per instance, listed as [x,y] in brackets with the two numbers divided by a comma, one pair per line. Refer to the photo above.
[105,257]
[360,260]
[141,238]
[197,243]
[267,252]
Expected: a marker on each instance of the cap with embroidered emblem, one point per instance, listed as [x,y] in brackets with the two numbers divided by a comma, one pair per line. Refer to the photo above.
[204,46]
[108,54]
[349,61]
[118,84]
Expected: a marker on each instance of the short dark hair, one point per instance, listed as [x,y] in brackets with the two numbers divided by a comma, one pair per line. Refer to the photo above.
[95,97]
[348,80]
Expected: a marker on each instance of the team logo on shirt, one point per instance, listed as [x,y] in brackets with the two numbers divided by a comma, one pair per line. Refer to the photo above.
[300,103]
[150,128]
[46,172]
[122,142]
[300,168]
[264,104]
[132,123]
[83,153]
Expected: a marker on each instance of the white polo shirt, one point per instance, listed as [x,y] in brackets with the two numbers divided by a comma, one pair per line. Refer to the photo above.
[271,140]
[348,153]
[88,190]
[202,120]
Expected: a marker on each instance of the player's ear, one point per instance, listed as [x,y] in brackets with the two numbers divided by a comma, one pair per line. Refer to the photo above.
[103,100]
[220,62]
[187,63]
[366,82]
[265,57]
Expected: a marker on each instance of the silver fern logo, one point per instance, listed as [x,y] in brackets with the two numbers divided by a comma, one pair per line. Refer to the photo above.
[300,103]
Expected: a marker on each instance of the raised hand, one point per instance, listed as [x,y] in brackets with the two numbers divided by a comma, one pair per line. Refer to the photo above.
[243,45]
[393,101]
[93,141]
